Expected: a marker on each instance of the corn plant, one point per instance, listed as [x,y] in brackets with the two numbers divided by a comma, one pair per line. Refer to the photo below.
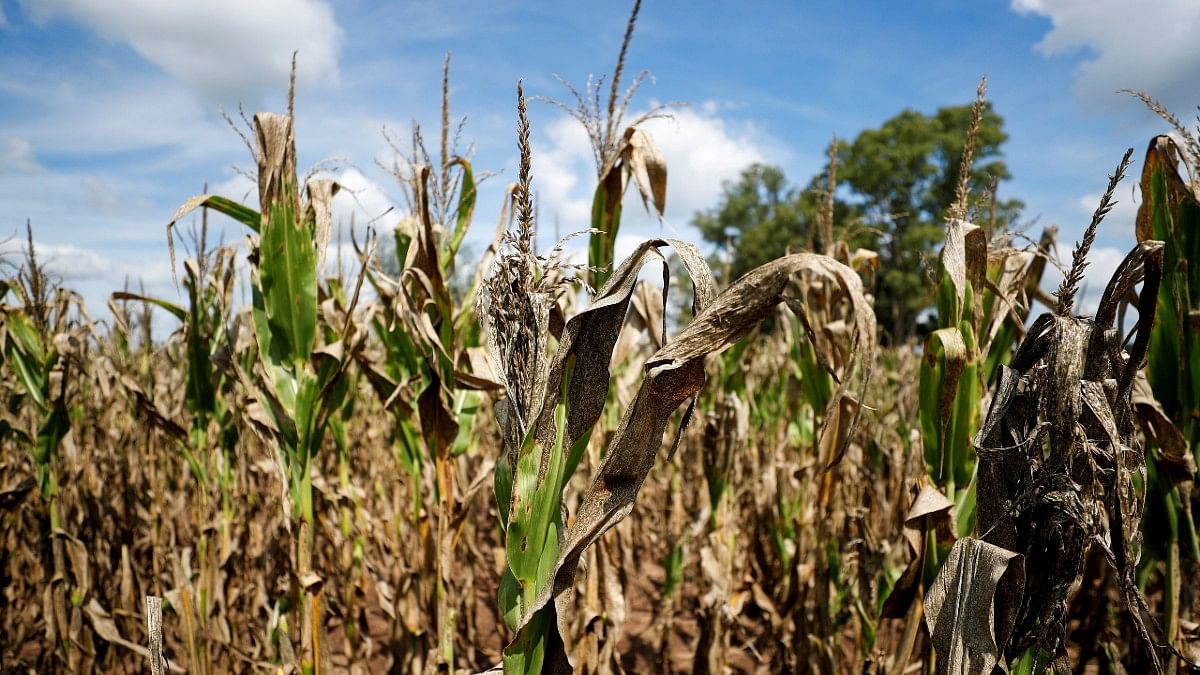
[425,375]
[982,302]
[208,439]
[208,283]
[983,296]
[1170,213]
[35,335]
[620,154]
[552,403]
[298,379]
[1059,464]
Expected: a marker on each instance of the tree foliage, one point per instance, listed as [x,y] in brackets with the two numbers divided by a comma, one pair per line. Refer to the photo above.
[895,184]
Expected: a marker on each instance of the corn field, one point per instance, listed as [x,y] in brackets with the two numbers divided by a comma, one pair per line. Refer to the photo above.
[561,465]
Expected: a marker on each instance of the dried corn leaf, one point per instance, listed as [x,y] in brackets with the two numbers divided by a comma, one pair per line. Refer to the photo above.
[945,354]
[11,497]
[1059,461]
[964,256]
[320,213]
[641,158]
[930,510]
[107,629]
[1164,432]
[590,336]
[276,155]
[967,625]
[672,376]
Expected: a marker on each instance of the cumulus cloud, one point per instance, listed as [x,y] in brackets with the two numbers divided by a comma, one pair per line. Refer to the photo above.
[66,262]
[1139,45]
[363,201]
[701,149]
[224,49]
[1119,223]
[17,155]
[1103,261]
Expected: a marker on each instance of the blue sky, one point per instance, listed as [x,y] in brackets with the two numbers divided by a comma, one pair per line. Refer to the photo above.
[109,109]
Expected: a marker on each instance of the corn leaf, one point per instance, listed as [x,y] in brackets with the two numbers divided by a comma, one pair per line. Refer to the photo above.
[969,629]
[672,376]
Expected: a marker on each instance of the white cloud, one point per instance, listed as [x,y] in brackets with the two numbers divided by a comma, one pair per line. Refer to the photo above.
[1120,220]
[78,115]
[1139,45]
[1103,261]
[237,187]
[701,149]
[225,49]
[17,155]
[66,262]
[363,201]
[564,174]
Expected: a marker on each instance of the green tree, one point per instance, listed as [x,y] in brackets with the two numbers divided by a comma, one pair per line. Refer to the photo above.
[895,185]
[761,217]
[904,175]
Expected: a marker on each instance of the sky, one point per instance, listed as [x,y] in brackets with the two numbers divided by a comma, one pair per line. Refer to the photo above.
[111,110]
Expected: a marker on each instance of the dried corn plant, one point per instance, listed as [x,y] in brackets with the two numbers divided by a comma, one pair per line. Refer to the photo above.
[205,431]
[1060,470]
[41,341]
[432,371]
[620,154]
[555,398]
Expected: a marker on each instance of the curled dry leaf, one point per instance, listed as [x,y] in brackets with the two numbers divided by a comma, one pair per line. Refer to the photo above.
[969,628]
[1060,467]
[641,158]
[106,628]
[672,377]
[930,510]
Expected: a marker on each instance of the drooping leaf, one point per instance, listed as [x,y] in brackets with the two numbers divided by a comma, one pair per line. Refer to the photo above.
[672,376]
[969,622]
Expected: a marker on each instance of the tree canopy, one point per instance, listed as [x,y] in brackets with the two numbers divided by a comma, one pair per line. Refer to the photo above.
[895,184]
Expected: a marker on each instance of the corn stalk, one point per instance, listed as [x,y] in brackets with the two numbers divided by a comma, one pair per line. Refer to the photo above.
[1170,213]
[553,402]
[297,382]
[34,336]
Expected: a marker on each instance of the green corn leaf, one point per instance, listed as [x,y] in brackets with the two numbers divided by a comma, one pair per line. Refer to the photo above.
[1170,213]
[503,487]
[527,652]
[508,598]
[673,566]
[30,375]
[466,406]
[171,308]
[462,216]
[941,369]
[27,340]
[288,269]
[606,220]
[814,380]
[50,434]
[532,541]
[965,417]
